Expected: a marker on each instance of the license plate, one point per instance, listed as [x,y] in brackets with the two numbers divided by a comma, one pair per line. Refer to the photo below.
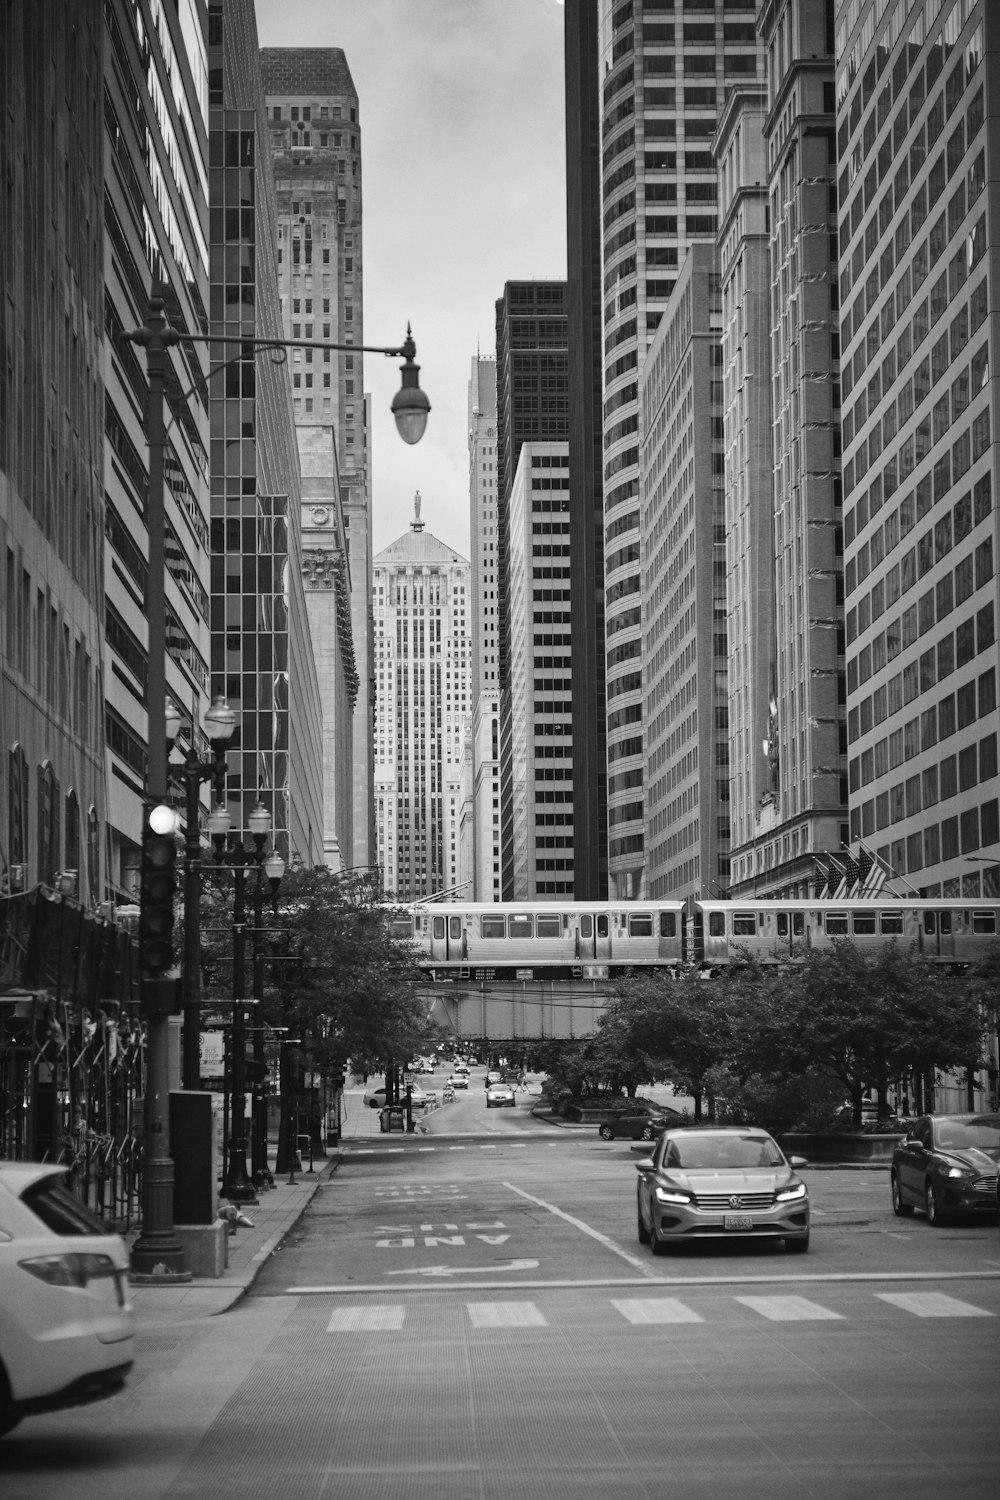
[741,1223]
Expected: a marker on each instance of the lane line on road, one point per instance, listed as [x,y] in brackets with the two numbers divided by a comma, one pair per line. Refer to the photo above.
[674,1282]
[595,1234]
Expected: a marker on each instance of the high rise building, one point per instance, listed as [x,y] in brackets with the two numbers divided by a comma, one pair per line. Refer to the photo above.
[917,113]
[532,406]
[744,267]
[586,451]
[805,726]
[315,130]
[262,656]
[664,72]
[482,867]
[59,698]
[540,676]
[685,648]
[423,625]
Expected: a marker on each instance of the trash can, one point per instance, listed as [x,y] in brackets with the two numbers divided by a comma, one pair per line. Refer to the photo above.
[392,1117]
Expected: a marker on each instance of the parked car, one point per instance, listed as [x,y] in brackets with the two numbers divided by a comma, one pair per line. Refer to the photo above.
[499,1094]
[721,1183]
[375,1098]
[641,1123]
[66,1325]
[947,1165]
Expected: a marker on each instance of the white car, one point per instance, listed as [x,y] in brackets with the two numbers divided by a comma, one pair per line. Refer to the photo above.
[499,1094]
[375,1098]
[67,1332]
[458,1081]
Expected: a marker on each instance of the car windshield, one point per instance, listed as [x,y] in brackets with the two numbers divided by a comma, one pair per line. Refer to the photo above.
[722,1152]
[961,1134]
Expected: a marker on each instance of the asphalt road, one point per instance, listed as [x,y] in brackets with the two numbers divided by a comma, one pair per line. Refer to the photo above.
[471,1316]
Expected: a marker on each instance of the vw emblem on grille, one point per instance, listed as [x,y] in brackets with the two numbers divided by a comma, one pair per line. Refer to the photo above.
[736,1201]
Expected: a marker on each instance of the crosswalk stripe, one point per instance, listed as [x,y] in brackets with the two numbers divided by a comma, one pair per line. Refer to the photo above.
[366,1320]
[933,1305]
[655,1310]
[788,1309]
[505,1315]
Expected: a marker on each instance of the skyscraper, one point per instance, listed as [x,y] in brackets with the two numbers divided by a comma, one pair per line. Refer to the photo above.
[423,620]
[483,856]
[316,146]
[917,112]
[664,71]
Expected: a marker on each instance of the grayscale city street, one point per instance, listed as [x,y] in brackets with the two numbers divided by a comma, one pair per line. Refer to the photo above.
[466,1312]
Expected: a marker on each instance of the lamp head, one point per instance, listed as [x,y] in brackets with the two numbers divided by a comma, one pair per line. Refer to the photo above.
[220,722]
[259,821]
[410,405]
[171,722]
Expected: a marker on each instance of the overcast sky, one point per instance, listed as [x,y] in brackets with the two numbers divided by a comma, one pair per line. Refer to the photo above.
[463,179]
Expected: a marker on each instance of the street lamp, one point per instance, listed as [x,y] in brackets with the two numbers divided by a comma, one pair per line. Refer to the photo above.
[236,1184]
[273,868]
[220,725]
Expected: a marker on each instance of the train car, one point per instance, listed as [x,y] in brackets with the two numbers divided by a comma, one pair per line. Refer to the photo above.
[949,931]
[543,940]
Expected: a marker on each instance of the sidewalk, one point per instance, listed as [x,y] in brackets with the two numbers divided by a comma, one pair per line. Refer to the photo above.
[278,1209]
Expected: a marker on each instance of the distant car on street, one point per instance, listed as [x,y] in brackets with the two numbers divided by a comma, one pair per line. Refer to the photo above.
[458,1081]
[644,1122]
[499,1094]
[67,1335]
[947,1166]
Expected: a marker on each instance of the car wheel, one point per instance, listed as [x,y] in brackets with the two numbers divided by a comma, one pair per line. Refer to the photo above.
[900,1209]
[606,1133]
[643,1231]
[935,1213]
[658,1243]
[647,1132]
[798,1246]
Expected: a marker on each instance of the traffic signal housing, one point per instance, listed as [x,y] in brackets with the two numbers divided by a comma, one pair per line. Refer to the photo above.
[158,887]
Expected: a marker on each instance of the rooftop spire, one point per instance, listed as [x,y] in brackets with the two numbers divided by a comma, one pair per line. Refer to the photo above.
[416,524]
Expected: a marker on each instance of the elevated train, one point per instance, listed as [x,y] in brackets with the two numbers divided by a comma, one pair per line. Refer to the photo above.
[601,940]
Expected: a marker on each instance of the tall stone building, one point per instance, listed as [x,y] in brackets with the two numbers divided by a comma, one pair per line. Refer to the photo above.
[262,654]
[423,647]
[482,867]
[532,406]
[664,72]
[917,116]
[685,648]
[315,131]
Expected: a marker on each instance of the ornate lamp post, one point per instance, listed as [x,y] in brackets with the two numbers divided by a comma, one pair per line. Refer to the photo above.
[220,725]
[273,868]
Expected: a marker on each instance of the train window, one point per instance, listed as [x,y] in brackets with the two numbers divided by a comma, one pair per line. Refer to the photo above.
[863,923]
[890,922]
[798,924]
[439,927]
[550,927]
[782,922]
[586,925]
[454,927]
[930,921]
[716,924]
[835,923]
[401,927]
[946,923]
[641,925]
[492,927]
[668,924]
[520,927]
[602,926]
[984,921]
[744,924]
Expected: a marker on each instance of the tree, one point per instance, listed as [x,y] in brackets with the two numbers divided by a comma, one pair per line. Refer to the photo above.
[674,1026]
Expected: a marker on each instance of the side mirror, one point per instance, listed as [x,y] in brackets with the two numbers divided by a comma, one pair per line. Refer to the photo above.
[798,1161]
[645,1164]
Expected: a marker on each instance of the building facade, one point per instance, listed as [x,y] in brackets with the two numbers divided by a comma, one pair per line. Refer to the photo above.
[423,647]
[315,130]
[916,135]
[664,72]
[482,860]
[540,677]
[262,657]
[685,648]
[532,406]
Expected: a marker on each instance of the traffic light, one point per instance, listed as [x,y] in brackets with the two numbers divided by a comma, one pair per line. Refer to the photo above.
[156,891]
[254,1073]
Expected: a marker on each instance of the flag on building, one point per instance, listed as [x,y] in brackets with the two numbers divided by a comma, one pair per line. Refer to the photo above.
[837,870]
[873,882]
[851,874]
[822,875]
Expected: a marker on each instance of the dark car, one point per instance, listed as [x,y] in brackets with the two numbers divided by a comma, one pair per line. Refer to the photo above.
[640,1123]
[947,1166]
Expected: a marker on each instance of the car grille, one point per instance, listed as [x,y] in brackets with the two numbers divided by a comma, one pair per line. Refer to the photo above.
[735,1202]
[985,1185]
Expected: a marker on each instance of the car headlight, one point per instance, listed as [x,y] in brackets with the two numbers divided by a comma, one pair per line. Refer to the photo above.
[672,1195]
[958,1172]
[793,1190]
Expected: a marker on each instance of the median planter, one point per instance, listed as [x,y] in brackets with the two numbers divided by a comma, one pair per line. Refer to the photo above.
[840,1146]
